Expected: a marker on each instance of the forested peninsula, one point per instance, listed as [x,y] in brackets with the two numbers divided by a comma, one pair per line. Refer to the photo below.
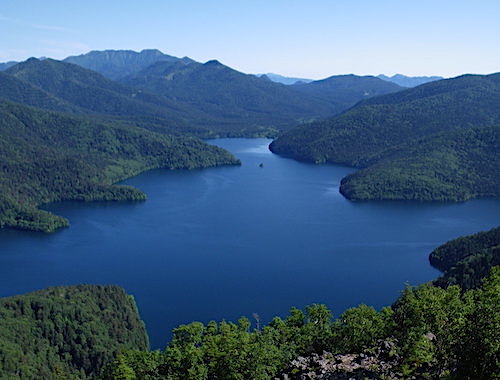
[437,141]
[446,329]
[48,156]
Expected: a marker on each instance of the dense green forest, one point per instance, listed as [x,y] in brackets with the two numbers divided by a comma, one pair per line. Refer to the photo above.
[411,141]
[449,166]
[466,260]
[19,91]
[67,332]
[47,156]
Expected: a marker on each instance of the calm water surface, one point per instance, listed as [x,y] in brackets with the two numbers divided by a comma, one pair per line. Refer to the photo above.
[232,241]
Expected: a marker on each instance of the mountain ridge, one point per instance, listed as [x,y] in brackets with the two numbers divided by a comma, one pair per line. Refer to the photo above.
[219,89]
[116,64]
[409,81]
[180,95]
[84,91]
[187,97]
[347,90]
[284,79]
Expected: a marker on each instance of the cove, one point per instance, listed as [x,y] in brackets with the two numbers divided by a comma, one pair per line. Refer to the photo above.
[231,241]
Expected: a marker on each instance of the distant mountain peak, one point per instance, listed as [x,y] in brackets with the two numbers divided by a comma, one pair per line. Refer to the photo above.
[283,79]
[406,81]
[5,65]
[117,64]
[213,62]
[151,51]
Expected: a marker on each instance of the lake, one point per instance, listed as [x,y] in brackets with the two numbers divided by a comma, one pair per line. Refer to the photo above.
[225,242]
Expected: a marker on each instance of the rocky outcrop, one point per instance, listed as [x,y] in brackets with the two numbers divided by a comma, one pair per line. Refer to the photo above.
[379,362]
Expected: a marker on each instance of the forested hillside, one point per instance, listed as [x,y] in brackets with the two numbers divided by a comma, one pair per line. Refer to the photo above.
[417,138]
[19,91]
[228,96]
[449,166]
[468,259]
[67,332]
[40,83]
[234,98]
[46,156]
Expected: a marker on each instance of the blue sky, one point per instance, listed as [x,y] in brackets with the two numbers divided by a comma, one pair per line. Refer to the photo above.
[313,39]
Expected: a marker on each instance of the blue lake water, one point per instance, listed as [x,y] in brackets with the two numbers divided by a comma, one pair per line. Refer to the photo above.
[231,241]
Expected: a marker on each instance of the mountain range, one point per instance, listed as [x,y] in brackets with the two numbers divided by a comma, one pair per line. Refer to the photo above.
[399,79]
[234,98]
[180,95]
[117,64]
